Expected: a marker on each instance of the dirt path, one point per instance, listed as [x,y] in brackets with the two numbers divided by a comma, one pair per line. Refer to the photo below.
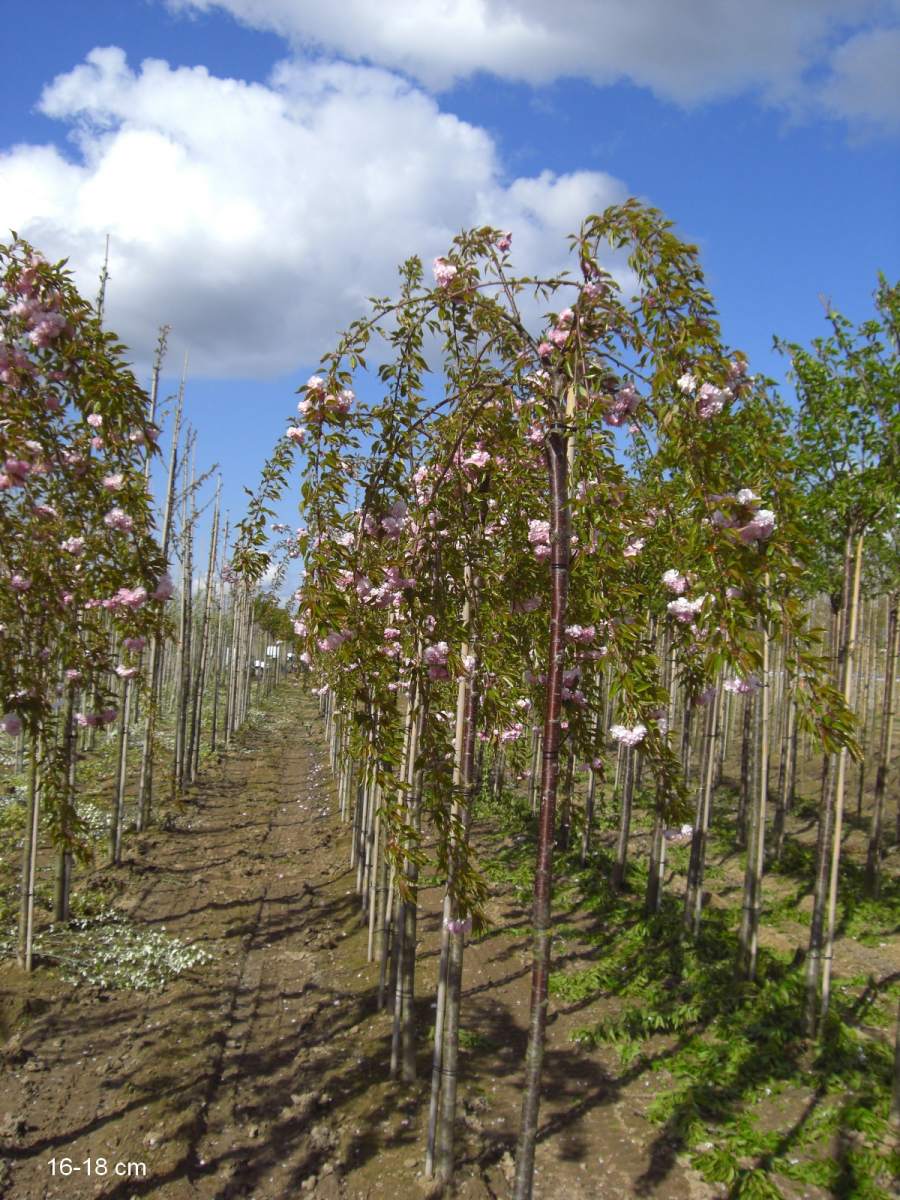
[264,1075]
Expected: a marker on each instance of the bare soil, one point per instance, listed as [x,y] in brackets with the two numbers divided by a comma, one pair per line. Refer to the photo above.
[265,1074]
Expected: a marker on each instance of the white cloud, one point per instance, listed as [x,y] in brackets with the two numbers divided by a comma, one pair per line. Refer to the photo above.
[864,84]
[685,51]
[255,219]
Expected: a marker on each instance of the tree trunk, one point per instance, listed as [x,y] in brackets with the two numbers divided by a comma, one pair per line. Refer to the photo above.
[555,449]
[756,843]
[874,853]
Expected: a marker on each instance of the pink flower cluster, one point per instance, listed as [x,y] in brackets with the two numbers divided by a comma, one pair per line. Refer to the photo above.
[333,640]
[319,405]
[634,547]
[685,610]
[504,243]
[623,405]
[435,657]
[513,733]
[583,635]
[44,323]
[11,724]
[117,518]
[741,687]
[444,272]
[105,717]
[539,537]
[628,736]
[675,581]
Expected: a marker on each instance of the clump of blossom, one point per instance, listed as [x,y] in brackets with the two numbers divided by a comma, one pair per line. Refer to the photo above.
[623,405]
[634,547]
[319,405]
[628,736]
[296,435]
[114,483]
[73,676]
[458,925]
[678,836]
[711,400]
[513,733]
[300,628]
[333,640]
[583,635]
[117,518]
[435,657]
[675,581]
[746,496]
[504,243]
[759,528]
[444,272]
[165,588]
[685,610]
[135,644]
[539,537]
[12,724]
[20,583]
[741,687]
[124,672]
[95,420]
[687,383]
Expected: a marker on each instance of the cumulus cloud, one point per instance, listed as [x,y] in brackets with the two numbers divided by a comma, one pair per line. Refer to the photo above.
[256,218]
[864,81]
[687,52]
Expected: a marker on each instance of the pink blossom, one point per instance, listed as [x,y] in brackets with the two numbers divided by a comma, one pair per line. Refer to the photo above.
[124,672]
[687,383]
[628,736]
[539,532]
[759,528]
[45,510]
[436,655]
[444,272]
[558,337]
[683,609]
[623,405]
[711,400]
[114,483]
[20,583]
[504,243]
[478,458]
[11,724]
[135,644]
[634,547]
[73,676]
[746,496]
[513,733]
[741,687]
[165,588]
[542,553]
[458,925]
[706,697]
[675,582]
[117,518]
[95,420]
[582,634]
[296,434]
[391,634]
[300,628]
[545,349]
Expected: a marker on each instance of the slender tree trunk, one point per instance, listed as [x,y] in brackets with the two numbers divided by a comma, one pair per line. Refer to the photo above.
[847,681]
[621,863]
[117,822]
[693,895]
[67,813]
[555,449]
[756,843]
[874,853]
[29,856]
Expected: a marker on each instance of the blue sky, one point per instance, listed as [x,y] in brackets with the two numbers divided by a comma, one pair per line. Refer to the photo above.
[263,165]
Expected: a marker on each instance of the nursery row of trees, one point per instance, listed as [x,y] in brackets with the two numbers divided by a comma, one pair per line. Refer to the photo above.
[601,547]
[599,551]
[87,641]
